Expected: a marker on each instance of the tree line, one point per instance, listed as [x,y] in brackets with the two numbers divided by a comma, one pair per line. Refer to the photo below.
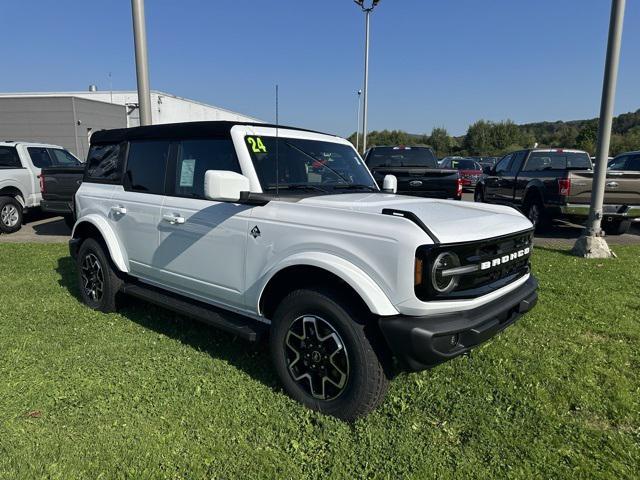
[487,138]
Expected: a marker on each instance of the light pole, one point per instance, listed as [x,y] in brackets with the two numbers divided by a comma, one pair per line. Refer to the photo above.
[591,243]
[367,7]
[142,62]
[358,121]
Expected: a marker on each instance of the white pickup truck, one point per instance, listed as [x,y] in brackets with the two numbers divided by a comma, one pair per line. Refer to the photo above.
[265,229]
[20,165]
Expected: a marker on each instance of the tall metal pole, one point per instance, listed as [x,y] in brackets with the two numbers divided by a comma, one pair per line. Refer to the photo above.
[593,229]
[358,122]
[366,80]
[142,63]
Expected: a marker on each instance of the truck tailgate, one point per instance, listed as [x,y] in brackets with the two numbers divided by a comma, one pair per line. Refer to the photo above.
[424,182]
[61,183]
[622,188]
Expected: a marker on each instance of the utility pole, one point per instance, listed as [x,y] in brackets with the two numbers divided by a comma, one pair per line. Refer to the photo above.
[142,62]
[358,122]
[367,9]
[591,243]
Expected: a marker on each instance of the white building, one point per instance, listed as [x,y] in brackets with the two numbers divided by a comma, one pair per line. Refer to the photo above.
[69,118]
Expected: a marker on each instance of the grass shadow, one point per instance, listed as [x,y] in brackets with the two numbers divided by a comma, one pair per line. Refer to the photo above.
[252,358]
[562,250]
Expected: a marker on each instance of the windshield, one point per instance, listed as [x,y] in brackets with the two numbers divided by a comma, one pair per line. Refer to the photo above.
[307,164]
[402,157]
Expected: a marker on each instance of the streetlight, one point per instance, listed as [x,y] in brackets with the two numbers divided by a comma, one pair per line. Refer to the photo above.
[367,7]
[591,243]
[358,121]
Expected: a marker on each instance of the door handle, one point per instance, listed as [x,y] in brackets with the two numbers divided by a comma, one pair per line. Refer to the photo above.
[612,184]
[174,219]
[119,210]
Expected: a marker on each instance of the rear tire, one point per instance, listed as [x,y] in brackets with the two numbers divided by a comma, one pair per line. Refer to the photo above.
[99,284]
[616,227]
[535,212]
[327,356]
[11,215]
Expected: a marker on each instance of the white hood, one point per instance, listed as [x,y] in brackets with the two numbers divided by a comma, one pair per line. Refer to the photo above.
[450,221]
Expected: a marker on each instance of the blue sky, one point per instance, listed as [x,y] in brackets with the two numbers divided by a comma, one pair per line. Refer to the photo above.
[433,62]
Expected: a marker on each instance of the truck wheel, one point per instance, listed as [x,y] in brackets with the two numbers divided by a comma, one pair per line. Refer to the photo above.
[536,214]
[326,357]
[97,279]
[616,227]
[10,215]
[478,195]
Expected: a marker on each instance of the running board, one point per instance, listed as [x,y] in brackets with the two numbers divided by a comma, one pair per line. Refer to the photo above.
[229,322]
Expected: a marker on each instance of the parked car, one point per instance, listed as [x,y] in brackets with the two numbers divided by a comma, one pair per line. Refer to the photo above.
[487,163]
[557,183]
[470,171]
[233,224]
[20,166]
[417,171]
[58,186]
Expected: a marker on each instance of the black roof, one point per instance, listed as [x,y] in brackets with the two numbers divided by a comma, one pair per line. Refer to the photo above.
[177,131]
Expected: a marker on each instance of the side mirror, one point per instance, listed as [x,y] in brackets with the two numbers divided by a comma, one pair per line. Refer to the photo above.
[487,170]
[224,186]
[390,184]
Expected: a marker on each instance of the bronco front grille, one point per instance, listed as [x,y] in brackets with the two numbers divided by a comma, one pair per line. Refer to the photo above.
[484,266]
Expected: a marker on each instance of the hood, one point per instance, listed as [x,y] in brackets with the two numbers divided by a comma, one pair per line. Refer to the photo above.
[451,221]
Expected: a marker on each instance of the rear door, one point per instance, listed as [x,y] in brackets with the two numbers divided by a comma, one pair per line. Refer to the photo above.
[202,242]
[135,207]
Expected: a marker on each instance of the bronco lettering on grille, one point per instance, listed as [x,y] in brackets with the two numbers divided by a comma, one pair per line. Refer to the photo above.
[505,259]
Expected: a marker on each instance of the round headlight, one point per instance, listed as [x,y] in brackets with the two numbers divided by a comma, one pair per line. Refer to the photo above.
[442,281]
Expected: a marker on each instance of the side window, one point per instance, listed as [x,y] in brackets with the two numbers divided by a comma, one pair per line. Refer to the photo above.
[104,163]
[518,158]
[618,163]
[40,157]
[503,165]
[195,157]
[63,158]
[147,166]
[9,158]
[634,163]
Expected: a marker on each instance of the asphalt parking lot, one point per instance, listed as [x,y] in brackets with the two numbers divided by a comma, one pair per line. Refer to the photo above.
[42,228]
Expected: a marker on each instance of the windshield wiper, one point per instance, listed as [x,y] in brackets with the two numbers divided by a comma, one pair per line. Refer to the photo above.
[354,186]
[296,186]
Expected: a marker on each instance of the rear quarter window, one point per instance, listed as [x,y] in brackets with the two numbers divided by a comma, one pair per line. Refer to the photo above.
[104,163]
[9,158]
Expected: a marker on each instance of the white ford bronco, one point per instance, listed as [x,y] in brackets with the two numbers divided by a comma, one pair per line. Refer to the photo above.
[259,229]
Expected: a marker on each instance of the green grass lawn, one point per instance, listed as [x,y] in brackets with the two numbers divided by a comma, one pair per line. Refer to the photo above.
[147,394]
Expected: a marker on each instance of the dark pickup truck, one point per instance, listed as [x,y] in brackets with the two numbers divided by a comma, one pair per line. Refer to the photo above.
[59,186]
[417,171]
[557,183]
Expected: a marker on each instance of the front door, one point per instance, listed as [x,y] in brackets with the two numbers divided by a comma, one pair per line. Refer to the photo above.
[494,183]
[202,243]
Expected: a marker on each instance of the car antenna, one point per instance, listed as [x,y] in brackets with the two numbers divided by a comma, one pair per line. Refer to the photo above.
[277,145]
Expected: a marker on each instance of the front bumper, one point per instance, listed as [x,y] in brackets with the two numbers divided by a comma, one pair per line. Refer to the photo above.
[423,342]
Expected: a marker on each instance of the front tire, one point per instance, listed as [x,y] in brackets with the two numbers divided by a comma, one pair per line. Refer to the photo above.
[98,282]
[11,215]
[478,194]
[327,356]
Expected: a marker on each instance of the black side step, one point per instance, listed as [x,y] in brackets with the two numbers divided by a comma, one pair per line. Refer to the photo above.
[243,327]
